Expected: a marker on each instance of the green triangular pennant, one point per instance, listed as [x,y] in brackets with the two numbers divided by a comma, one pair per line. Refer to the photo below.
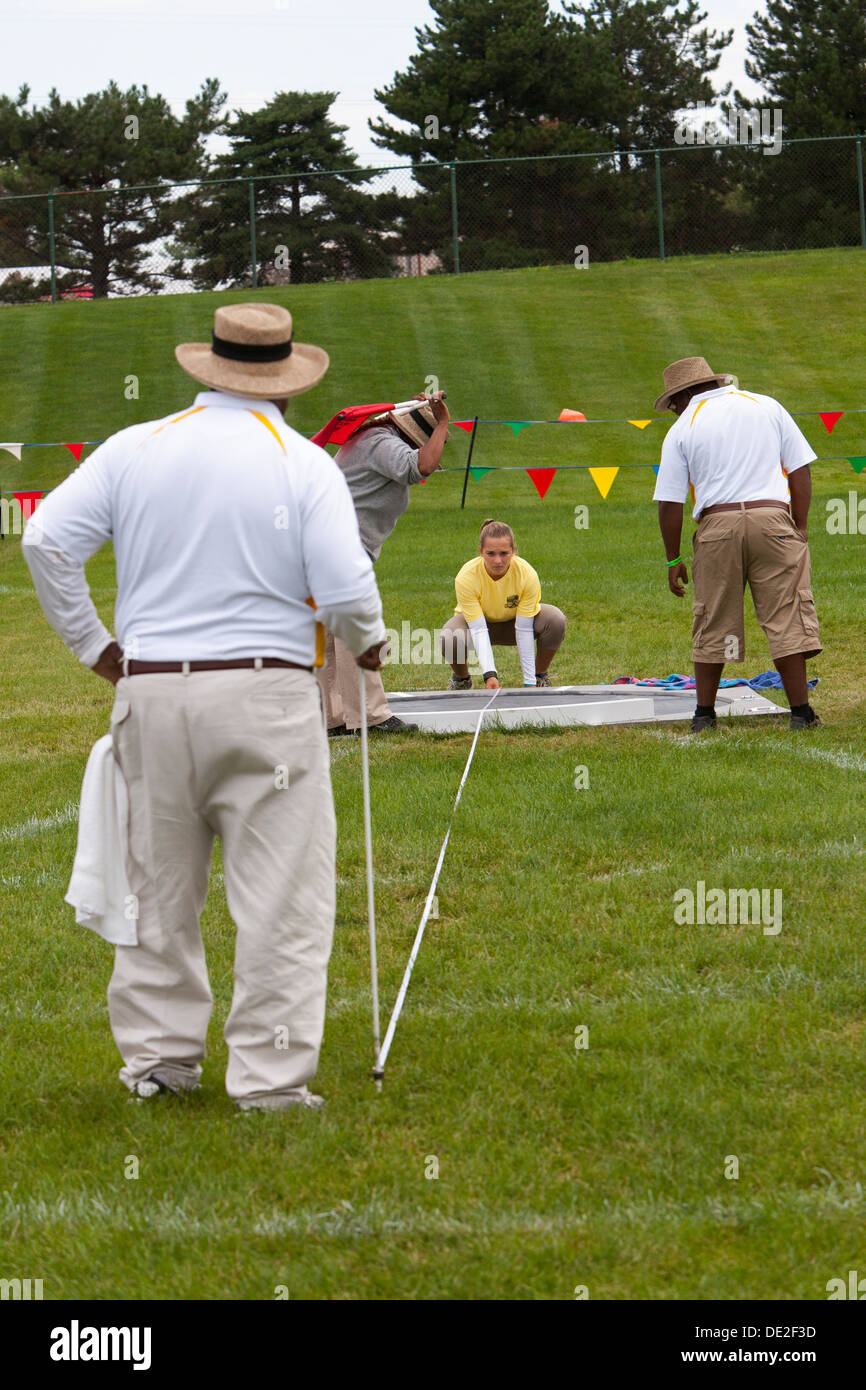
[478,473]
[517,425]
[858,464]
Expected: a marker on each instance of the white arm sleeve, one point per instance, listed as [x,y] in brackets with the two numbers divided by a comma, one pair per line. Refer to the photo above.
[481,642]
[69,525]
[524,635]
[63,592]
[358,623]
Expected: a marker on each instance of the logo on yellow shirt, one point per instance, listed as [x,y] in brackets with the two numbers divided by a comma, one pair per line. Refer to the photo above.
[512,600]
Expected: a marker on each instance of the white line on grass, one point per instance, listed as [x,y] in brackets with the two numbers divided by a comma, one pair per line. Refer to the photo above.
[35,825]
[846,761]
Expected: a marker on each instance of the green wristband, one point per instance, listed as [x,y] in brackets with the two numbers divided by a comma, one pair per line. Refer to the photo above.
[678,561]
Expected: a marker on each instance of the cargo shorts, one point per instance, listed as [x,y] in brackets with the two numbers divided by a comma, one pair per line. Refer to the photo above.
[763,548]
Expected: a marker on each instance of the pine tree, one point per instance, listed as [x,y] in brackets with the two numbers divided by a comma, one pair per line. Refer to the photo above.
[312,220]
[106,142]
[809,56]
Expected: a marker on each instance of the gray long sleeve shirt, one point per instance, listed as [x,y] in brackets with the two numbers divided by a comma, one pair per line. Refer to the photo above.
[379,467]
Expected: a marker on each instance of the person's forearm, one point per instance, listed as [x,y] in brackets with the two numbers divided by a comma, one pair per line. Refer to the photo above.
[524,636]
[359,623]
[483,649]
[671,527]
[64,595]
[430,453]
[800,484]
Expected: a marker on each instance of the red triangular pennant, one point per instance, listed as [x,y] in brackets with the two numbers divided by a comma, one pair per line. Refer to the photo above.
[542,478]
[75,450]
[343,424]
[27,502]
[466,425]
[829,417]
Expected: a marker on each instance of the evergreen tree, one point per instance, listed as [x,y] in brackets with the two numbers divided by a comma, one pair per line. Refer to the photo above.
[809,56]
[312,220]
[106,142]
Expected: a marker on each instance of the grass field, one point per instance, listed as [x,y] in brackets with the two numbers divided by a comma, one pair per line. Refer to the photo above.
[603,1167]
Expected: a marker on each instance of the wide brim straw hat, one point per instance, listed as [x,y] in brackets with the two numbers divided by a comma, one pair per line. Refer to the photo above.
[689,371]
[253,353]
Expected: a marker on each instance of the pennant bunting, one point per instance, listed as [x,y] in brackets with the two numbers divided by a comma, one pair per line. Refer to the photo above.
[75,450]
[641,424]
[27,502]
[517,425]
[14,449]
[603,478]
[829,418]
[478,473]
[858,464]
[542,478]
[656,467]
[463,425]
[572,415]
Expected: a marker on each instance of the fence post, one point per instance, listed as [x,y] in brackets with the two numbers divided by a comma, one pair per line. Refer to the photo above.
[659,209]
[860,191]
[51,250]
[253,256]
[454,237]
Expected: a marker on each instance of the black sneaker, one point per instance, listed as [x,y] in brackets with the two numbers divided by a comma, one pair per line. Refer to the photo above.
[340,731]
[542,680]
[392,726]
[701,722]
[806,721]
[460,683]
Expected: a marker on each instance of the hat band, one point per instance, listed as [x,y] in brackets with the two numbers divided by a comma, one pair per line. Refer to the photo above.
[251,352]
[421,422]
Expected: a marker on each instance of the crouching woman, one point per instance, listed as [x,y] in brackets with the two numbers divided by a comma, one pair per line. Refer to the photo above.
[499,604]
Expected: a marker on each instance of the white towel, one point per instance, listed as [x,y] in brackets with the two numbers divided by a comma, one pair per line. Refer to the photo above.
[98,889]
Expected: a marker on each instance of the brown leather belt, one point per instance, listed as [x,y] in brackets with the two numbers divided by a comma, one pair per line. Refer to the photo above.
[740,506]
[145,668]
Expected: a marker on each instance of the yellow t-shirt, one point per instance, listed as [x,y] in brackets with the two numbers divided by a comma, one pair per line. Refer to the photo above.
[516,594]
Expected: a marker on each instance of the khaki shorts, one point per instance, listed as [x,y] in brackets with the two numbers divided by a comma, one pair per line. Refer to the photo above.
[760,547]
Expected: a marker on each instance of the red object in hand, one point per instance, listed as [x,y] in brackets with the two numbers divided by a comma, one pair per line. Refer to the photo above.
[345,422]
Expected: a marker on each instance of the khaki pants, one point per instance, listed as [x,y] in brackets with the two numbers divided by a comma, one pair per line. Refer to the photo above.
[548,630]
[341,690]
[241,754]
[760,547]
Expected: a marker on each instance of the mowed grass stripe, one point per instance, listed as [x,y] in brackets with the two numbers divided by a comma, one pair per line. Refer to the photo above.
[603,1166]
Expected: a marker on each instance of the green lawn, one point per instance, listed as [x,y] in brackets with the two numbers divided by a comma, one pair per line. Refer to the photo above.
[558,1167]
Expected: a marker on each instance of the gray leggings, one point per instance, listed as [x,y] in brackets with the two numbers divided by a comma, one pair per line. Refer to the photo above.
[549,630]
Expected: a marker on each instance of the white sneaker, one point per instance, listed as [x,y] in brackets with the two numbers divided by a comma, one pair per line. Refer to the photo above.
[144,1090]
[155,1085]
[282,1100]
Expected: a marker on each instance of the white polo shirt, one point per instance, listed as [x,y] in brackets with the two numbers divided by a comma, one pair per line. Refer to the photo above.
[730,446]
[225,521]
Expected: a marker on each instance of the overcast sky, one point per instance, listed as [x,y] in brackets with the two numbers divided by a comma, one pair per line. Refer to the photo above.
[254,48]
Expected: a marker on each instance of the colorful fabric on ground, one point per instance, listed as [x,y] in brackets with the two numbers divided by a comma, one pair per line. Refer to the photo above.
[768,680]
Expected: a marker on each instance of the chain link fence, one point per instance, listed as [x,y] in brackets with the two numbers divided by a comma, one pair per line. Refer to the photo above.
[432,218]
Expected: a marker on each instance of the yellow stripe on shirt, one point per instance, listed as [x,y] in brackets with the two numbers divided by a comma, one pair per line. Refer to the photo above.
[267,424]
[178,418]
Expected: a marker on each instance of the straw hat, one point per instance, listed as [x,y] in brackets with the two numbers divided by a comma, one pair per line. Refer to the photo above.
[689,371]
[253,354]
[414,419]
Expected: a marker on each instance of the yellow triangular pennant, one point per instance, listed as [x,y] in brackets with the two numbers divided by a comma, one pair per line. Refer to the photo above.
[603,478]
[641,424]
